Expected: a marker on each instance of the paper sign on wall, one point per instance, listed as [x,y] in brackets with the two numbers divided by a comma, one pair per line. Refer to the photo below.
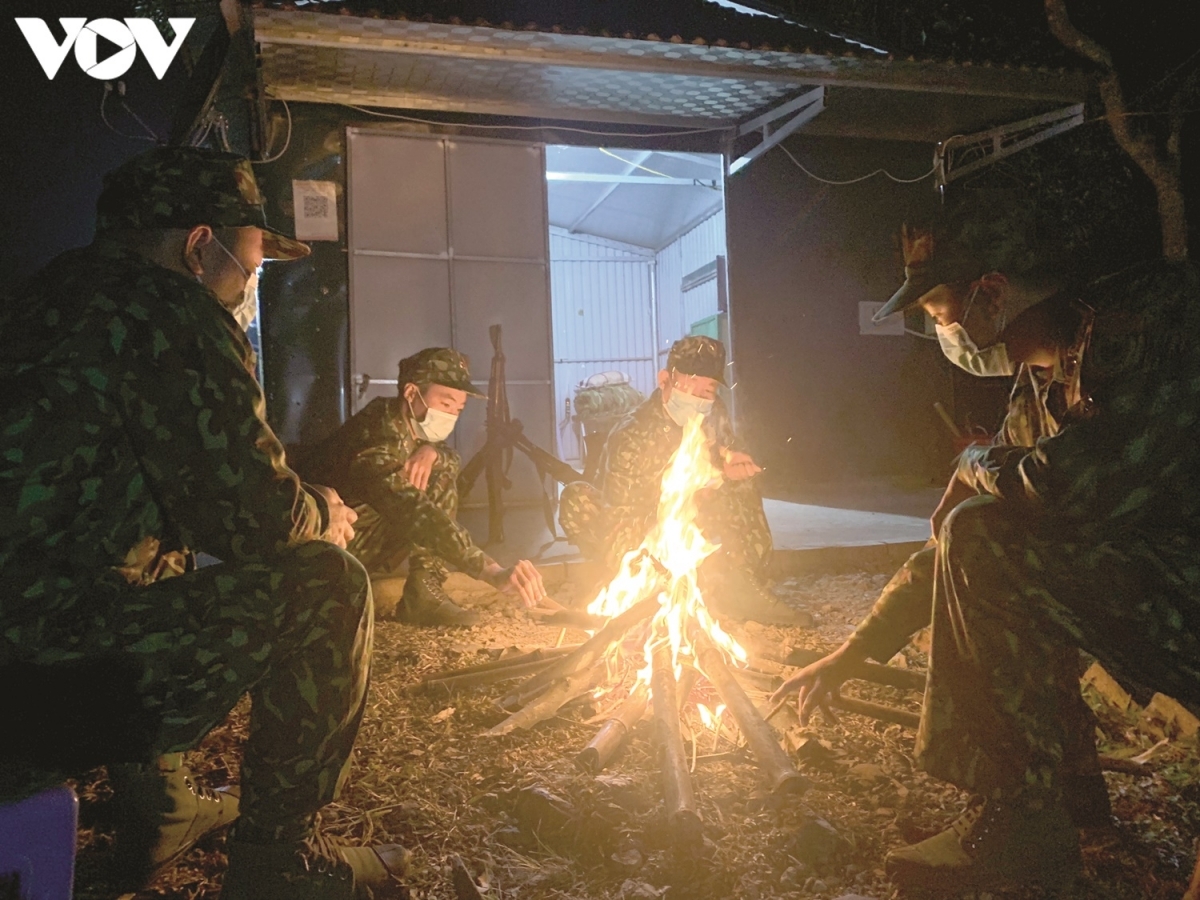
[316,210]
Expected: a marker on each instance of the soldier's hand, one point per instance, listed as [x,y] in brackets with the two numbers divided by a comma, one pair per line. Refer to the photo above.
[523,579]
[956,493]
[341,517]
[739,466]
[419,466]
[819,682]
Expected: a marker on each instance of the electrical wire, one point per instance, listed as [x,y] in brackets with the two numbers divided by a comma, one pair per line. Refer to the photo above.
[287,142]
[146,128]
[829,181]
[629,134]
[104,118]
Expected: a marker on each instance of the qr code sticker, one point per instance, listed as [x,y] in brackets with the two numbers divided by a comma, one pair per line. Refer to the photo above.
[316,206]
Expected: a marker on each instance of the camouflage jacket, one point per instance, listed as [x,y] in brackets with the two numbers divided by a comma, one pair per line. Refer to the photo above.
[364,461]
[1105,440]
[635,456]
[131,424]
[1127,454]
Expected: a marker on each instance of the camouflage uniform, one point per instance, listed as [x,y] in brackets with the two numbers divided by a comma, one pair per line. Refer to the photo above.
[132,432]
[611,518]
[364,460]
[1088,539]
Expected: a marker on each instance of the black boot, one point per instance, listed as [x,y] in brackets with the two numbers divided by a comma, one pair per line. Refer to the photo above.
[425,602]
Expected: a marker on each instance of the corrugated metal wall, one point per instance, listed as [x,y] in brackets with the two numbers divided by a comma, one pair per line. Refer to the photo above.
[692,250]
[602,298]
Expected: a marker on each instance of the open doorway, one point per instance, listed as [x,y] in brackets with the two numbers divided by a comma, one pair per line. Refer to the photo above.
[637,261]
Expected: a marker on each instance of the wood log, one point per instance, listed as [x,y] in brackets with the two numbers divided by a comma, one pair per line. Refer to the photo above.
[608,740]
[587,653]
[905,679]
[551,700]
[488,676]
[501,663]
[682,817]
[877,711]
[772,760]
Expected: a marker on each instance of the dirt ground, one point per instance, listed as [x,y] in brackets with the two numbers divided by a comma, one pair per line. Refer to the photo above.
[528,824]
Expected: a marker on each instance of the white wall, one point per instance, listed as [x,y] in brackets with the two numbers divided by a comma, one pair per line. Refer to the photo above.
[602,302]
[692,250]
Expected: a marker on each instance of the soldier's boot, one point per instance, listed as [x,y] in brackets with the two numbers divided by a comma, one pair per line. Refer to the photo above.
[1087,801]
[313,868]
[994,846]
[425,602]
[733,593]
[161,811]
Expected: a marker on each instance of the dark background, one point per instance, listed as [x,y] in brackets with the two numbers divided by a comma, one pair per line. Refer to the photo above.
[801,254]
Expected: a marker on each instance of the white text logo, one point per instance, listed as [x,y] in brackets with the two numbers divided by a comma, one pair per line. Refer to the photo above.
[128,36]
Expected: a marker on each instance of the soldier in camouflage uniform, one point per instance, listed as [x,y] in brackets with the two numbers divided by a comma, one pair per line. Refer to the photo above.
[391,464]
[131,435]
[612,517]
[1085,540]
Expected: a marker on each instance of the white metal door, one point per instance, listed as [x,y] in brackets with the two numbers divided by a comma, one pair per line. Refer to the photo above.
[448,236]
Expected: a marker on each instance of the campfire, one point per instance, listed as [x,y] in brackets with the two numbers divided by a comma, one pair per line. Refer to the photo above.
[658,646]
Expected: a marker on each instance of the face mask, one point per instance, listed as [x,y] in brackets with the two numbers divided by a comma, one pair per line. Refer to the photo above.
[682,406]
[437,425]
[958,347]
[247,307]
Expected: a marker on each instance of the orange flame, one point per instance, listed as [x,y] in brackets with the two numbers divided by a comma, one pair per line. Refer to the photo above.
[668,558]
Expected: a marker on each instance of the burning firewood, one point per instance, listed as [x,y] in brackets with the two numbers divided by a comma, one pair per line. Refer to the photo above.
[608,740]
[771,758]
[682,818]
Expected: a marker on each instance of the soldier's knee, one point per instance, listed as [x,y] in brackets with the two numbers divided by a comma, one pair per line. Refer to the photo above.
[975,520]
[578,509]
[339,575]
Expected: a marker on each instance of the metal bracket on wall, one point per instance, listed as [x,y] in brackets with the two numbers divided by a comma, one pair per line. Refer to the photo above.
[805,109]
[966,153]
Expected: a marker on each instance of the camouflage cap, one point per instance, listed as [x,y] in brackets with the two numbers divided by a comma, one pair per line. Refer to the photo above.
[182,187]
[698,355]
[929,260]
[986,231]
[437,365]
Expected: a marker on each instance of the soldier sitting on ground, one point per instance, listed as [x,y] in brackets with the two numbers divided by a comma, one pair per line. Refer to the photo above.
[392,465]
[1086,540]
[612,517]
[131,433]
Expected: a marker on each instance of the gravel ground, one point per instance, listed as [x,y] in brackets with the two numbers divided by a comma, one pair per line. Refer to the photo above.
[529,825]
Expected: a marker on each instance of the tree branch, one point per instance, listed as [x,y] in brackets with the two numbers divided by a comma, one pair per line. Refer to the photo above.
[1074,39]
[1142,149]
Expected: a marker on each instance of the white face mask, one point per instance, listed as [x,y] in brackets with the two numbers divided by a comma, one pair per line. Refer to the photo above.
[958,347]
[247,307]
[436,426]
[682,406]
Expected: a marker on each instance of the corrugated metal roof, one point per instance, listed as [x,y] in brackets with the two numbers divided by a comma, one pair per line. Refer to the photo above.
[700,22]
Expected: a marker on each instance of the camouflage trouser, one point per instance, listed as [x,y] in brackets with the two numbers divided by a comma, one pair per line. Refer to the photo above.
[379,545]
[295,632]
[732,515]
[909,598]
[1011,605]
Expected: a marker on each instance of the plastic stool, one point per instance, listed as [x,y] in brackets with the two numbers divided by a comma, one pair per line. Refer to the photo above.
[37,845]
